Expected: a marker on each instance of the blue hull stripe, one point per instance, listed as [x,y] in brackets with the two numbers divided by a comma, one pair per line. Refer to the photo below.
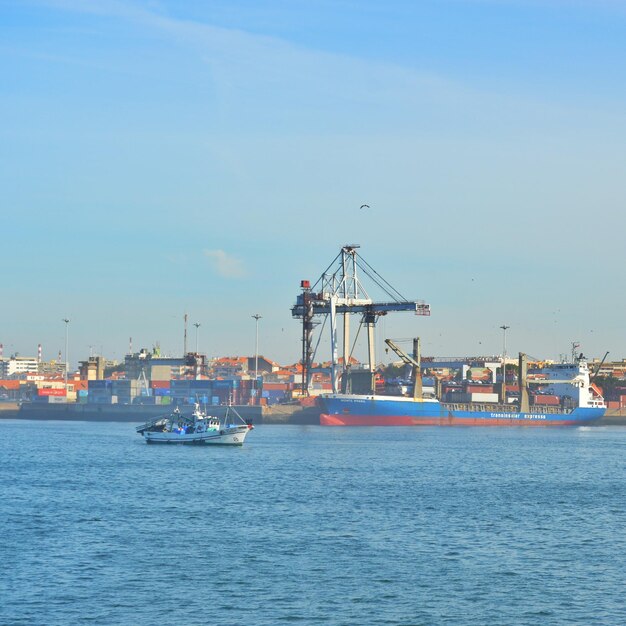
[381,408]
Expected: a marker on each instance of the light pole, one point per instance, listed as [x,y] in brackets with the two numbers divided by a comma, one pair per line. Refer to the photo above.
[66,343]
[256,317]
[197,325]
[504,328]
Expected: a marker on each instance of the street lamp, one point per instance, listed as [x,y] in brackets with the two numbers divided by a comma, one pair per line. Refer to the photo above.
[256,317]
[197,325]
[504,328]
[66,343]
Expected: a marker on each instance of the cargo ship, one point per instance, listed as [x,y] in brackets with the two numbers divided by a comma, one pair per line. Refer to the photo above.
[578,402]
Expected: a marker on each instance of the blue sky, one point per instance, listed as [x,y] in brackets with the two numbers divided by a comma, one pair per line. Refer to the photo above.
[163,157]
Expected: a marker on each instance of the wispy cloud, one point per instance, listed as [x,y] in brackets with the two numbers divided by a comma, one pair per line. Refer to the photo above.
[225,265]
[250,66]
[619,5]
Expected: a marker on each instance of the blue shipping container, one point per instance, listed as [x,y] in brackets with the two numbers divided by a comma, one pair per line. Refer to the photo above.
[202,384]
[224,384]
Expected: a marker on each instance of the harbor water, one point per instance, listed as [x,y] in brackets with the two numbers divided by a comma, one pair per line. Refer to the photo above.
[313,525]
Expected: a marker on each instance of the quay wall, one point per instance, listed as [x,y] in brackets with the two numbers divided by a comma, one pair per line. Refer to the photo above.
[117,413]
[276,414]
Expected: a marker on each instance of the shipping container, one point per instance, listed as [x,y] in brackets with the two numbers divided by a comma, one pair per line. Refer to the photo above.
[97,397]
[160,372]
[200,384]
[275,386]
[549,400]
[50,399]
[456,396]
[47,391]
[484,397]
[145,400]
[225,384]
[160,384]
[125,384]
[479,388]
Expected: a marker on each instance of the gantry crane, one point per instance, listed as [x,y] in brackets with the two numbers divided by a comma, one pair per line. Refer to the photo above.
[339,291]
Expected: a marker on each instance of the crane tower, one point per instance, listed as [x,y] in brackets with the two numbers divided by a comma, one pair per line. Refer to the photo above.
[340,291]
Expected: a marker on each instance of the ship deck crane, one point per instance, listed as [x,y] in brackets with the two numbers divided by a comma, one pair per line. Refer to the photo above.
[339,291]
[415,361]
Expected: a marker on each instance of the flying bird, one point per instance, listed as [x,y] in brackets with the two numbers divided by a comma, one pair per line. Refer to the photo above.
[364,206]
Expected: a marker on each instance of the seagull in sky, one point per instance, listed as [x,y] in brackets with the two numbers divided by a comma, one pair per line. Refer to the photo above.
[364,206]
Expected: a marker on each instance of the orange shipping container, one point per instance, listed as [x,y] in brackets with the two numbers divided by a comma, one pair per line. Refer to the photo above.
[10,384]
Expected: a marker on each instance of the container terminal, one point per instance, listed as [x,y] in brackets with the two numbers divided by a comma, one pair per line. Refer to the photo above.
[148,383]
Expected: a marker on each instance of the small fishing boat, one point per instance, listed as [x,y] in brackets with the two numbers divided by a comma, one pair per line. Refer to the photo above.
[197,428]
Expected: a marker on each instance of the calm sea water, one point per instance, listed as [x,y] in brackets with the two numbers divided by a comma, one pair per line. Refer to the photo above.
[311,525]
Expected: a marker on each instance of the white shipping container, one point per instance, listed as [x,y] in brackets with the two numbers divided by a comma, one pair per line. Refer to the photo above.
[484,397]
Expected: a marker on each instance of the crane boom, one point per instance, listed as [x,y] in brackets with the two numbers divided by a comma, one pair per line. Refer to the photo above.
[402,354]
[595,374]
[321,306]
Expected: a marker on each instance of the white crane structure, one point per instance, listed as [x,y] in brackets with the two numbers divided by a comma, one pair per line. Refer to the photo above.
[339,291]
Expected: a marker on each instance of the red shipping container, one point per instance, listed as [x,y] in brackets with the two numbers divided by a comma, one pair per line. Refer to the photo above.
[547,400]
[51,392]
[160,384]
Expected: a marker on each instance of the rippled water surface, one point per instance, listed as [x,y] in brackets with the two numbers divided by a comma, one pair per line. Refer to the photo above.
[311,525]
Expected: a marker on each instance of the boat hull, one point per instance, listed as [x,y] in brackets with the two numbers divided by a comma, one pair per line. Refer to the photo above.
[226,437]
[345,410]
